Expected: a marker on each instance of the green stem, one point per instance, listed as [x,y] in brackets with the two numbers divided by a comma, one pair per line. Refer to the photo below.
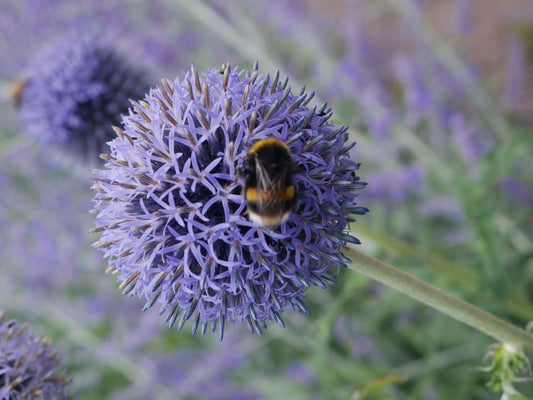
[459,276]
[439,300]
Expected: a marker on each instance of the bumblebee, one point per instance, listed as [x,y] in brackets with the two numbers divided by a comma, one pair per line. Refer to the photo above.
[268,189]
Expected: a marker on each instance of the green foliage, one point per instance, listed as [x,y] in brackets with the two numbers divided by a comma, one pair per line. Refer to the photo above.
[508,366]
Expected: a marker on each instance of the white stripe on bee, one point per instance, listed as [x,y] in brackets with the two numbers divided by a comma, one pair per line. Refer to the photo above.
[268,221]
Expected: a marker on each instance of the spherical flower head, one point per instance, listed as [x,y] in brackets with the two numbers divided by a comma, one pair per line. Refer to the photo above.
[74,91]
[173,216]
[28,367]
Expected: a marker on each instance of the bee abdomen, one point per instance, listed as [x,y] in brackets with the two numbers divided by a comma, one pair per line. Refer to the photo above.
[269,193]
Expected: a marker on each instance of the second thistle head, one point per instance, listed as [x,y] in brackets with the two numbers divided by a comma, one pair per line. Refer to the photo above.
[74,91]
[29,368]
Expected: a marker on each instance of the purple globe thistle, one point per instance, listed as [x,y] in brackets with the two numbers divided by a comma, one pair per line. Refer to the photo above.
[28,367]
[173,218]
[74,91]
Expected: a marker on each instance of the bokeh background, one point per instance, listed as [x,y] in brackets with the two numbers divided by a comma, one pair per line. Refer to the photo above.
[438,97]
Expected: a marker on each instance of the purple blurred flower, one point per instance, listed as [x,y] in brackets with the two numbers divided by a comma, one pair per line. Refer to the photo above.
[418,100]
[472,145]
[211,376]
[448,217]
[73,92]
[443,207]
[461,21]
[362,347]
[516,70]
[28,367]
[396,186]
[518,190]
[170,207]
[301,374]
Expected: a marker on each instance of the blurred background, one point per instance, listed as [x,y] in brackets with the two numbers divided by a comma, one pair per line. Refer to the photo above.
[438,97]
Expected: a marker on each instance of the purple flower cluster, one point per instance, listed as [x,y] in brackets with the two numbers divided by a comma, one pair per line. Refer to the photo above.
[28,367]
[73,92]
[396,186]
[207,373]
[173,218]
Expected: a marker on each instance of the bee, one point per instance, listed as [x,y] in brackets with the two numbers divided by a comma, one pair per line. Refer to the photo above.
[268,189]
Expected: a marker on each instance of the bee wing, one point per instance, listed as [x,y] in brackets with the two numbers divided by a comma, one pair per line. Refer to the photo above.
[268,182]
[270,186]
[264,182]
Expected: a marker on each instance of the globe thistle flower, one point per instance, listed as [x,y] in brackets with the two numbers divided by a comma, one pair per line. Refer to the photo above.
[173,217]
[28,367]
[73,92]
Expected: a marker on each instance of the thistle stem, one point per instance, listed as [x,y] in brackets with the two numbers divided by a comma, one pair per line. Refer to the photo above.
[439,300]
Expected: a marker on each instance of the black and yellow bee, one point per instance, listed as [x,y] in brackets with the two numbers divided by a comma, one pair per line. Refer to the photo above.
[268,189]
